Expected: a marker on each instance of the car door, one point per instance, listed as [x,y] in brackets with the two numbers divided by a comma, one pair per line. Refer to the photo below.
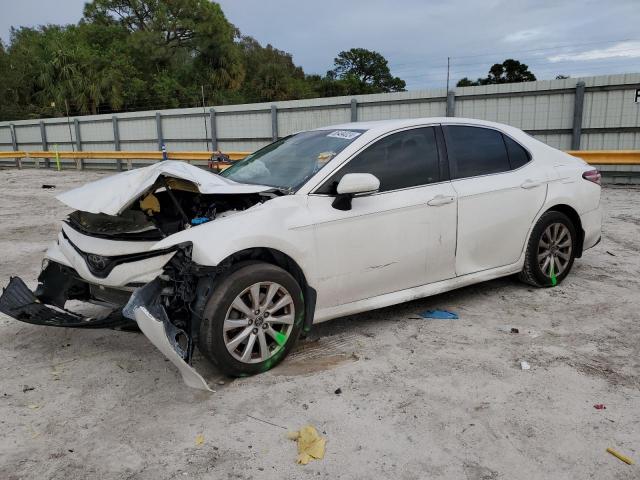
[499,194]
[400,237]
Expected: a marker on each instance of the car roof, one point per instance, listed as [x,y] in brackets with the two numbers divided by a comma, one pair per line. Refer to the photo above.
[387,125]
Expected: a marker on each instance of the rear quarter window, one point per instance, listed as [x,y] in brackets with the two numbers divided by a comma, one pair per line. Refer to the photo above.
[518,156]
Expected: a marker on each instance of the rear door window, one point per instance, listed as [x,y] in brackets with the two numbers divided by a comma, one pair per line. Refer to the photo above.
[401,160]
[475,151]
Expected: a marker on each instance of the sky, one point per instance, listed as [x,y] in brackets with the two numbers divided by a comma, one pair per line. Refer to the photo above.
[569,37]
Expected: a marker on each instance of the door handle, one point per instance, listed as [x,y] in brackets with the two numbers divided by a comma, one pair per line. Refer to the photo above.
[527,184]
[440,200]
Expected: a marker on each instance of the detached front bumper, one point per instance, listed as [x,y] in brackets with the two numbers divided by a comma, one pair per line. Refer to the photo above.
[176,344]
[19,302]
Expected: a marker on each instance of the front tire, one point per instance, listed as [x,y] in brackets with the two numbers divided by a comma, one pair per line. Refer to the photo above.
[550,251]
[252,319]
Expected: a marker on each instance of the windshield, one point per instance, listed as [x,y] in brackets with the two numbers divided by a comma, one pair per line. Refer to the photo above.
[291,161]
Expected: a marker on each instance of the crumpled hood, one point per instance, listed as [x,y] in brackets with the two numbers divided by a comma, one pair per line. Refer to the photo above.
[113,194]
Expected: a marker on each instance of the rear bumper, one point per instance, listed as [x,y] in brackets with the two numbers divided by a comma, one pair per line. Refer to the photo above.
[592,226]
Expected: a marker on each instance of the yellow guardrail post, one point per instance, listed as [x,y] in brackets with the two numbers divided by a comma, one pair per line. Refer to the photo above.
[57,157]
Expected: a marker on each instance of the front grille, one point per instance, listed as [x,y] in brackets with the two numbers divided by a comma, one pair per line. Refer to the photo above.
[101,265]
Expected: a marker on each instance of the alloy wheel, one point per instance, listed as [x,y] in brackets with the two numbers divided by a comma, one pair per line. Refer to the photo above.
[554,250]
[259,322]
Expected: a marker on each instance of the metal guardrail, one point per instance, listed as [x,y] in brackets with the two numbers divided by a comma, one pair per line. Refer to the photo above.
[118,155]
[594,157]
[608,157]
[616,166]
[128,156]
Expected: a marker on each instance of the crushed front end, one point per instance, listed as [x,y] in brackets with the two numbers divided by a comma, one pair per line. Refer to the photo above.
[106,253]
[167,309]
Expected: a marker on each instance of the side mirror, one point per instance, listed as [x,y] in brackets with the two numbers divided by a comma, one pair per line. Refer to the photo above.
[354,184]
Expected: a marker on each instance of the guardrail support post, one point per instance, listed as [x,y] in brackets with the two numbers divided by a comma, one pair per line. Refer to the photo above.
[578,107]
[14,143]
[354,110]
[116,140]
[274,123]
[451,104]
[214,134]
[79,161]
[45,145]
[159,130]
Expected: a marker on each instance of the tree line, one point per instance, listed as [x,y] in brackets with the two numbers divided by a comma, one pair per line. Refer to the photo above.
[128,55]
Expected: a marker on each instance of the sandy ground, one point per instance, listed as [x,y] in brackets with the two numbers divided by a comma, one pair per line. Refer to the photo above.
[420,398]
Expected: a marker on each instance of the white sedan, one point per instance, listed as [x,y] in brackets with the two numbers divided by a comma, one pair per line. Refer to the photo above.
[317,225]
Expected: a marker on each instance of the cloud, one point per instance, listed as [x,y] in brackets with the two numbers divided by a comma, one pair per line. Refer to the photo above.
[523,35]
[619,50]
[417,36]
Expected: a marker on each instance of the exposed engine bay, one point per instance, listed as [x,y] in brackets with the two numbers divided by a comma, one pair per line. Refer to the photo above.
[171,205]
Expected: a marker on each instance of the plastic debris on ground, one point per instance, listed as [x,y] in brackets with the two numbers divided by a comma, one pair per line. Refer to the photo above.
[619,456]
[439,315]
[310,444]
[525,365]
[599,406]
[199,439]
[48,186]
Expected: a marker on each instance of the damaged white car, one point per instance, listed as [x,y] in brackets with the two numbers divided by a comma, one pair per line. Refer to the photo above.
[317,225]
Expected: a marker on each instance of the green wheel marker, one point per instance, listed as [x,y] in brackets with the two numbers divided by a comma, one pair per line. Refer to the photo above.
[554,281]
[281,338]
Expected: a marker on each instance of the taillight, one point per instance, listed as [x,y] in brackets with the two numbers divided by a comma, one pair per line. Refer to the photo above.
[593,176]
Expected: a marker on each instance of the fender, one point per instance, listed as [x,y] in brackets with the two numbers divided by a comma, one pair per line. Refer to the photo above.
[283,225]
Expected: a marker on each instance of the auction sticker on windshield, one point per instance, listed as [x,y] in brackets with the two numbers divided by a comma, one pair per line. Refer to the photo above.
[346,134]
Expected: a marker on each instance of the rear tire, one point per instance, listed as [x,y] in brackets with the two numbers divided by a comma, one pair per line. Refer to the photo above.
[550,251]
[252,319]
